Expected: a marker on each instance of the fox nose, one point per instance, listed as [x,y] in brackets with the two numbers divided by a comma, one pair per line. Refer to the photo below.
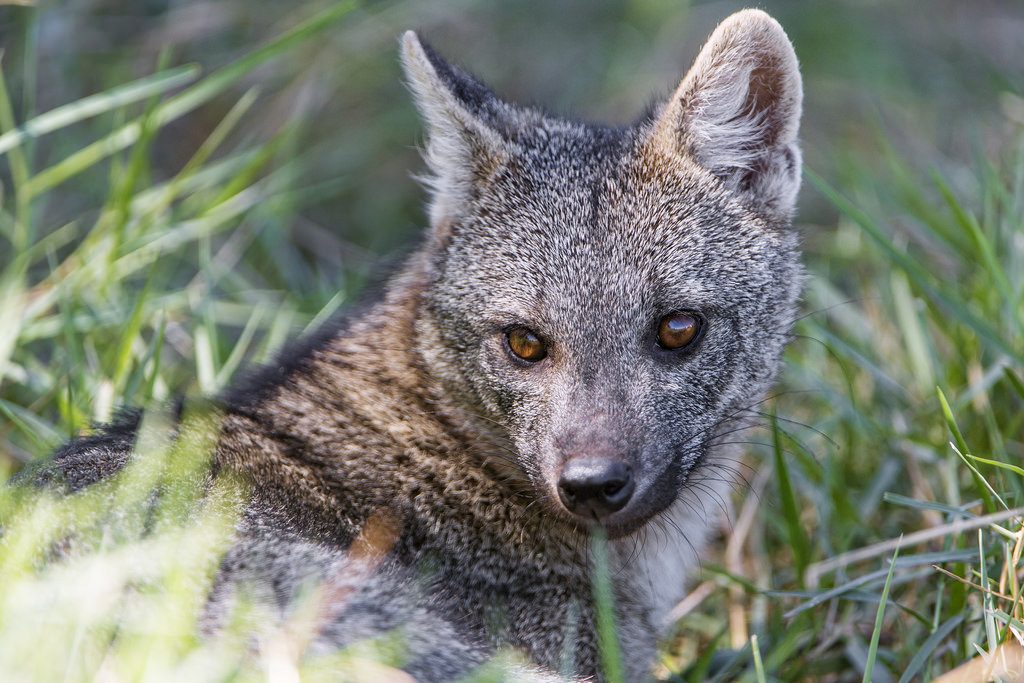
[595,487]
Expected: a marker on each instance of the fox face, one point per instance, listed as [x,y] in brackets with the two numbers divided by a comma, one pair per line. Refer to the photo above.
[611,301]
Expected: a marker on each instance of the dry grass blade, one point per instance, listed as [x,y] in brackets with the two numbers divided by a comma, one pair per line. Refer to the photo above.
[816,570]
[972,584]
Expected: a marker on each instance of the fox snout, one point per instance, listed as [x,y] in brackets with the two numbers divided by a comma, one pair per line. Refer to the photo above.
[595,474]
[594,488]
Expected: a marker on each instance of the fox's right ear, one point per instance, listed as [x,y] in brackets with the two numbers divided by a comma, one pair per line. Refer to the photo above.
[465,147]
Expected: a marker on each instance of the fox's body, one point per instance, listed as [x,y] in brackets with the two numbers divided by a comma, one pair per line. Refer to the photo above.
[422,467]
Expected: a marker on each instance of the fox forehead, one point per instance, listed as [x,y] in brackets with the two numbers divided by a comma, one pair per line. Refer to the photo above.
[614,231]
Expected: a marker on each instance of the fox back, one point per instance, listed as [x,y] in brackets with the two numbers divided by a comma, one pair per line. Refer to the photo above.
[593,311]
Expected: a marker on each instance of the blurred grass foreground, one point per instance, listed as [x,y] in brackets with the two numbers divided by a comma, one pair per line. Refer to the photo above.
[184,185]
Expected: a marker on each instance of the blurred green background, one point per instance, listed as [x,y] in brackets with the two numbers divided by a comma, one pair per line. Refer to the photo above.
[928,74]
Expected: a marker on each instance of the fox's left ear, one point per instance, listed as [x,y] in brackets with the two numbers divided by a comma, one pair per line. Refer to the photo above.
[737,112]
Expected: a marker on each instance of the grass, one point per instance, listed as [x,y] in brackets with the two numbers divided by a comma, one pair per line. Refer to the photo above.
[901,412]
[916,406]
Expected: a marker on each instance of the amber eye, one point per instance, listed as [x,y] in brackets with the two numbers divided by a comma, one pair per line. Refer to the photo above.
[525,344]
[678,330]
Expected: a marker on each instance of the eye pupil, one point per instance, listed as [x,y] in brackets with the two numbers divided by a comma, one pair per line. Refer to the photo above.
[525,344]
[678,330]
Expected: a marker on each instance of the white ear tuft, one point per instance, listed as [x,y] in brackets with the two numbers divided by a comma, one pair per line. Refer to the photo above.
[737,112]
[463,148]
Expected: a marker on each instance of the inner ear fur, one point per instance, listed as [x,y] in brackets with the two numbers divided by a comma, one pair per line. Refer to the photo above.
[737,112]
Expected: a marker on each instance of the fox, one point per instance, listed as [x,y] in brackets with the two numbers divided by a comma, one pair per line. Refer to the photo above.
[592,311]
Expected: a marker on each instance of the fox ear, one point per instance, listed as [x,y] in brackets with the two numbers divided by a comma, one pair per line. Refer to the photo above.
[737,112]
[464,121]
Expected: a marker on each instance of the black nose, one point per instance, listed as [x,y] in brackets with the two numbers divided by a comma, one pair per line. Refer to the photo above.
[595,487]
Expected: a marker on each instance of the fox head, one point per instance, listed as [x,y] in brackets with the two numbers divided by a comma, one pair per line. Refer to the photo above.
[611,299]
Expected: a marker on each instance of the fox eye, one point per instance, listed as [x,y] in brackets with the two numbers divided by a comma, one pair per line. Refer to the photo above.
[678,330]
[525,344]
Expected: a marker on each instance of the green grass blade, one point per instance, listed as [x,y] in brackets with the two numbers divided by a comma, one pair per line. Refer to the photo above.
[238,352]
[938,557]
[986,597]
[604,606]
[790,507]
[904,501]
[20,174]
[176,107]
[915,337]
[94,105]
[206,364]
[37,430]
[876,634]
[123,354]
[928,647]
[1016,382]
[758,664]
[996,463]
[961,448]
[836,592]
[157,349]
[12,303]
[1008,620]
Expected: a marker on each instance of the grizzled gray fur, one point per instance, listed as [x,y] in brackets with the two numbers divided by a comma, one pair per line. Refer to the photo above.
[593,311]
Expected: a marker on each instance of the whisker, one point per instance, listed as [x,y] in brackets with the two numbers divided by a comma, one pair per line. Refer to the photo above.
[791,421]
